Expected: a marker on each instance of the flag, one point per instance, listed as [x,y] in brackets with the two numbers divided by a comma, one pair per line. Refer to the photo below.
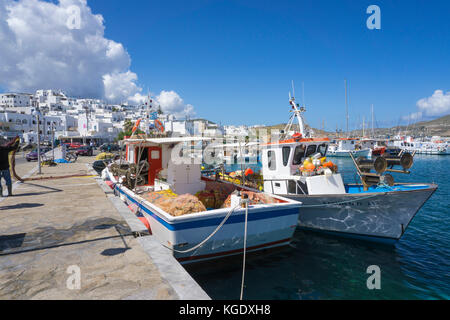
[154,115]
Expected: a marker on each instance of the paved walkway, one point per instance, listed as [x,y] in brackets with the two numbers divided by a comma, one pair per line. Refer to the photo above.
[52,227]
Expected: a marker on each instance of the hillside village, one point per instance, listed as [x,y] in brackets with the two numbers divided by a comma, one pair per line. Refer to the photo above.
[85,119]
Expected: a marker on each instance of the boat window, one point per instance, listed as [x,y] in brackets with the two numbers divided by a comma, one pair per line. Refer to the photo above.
[311,150]
[298,155]
[272,161]
[323,148]
[155,154]
[286,154]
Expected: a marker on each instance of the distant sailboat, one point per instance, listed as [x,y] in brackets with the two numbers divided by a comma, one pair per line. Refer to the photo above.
[344,146]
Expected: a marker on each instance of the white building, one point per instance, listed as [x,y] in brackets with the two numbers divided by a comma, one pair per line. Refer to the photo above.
[182,127]
[15,100]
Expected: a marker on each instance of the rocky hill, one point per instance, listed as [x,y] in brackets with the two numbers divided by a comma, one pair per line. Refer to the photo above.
[437,127]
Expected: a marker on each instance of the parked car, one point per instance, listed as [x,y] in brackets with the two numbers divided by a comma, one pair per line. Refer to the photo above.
[33,155]
[84,151]
[109,147]
[72,145]
[75,145]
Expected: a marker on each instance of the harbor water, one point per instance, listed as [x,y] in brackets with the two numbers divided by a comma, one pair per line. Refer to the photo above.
[319,266]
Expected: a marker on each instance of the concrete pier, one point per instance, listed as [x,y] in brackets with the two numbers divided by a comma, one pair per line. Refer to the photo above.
[58,231]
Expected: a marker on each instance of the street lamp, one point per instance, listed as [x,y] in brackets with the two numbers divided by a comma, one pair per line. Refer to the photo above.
[53,140]
[38,114]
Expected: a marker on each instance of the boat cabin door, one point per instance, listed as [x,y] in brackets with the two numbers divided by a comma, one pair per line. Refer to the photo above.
[155,162]
[153,155]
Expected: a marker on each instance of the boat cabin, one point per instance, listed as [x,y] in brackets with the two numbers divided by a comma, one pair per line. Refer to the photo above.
[345,144]
[160,169]
[368,143]
[281,164]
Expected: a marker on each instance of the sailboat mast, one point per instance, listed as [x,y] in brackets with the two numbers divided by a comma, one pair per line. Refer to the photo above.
[364,126]
[346,106]
[373,131]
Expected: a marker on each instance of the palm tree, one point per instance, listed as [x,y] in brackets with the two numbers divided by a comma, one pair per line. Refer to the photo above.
[128,126]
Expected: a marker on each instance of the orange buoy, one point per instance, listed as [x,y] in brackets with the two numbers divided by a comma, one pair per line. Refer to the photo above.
[110,184]
[328,164]
[146,223]
[248,172]
[309,166]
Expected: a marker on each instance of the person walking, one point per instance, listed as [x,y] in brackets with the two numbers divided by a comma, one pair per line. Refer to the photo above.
[4,164]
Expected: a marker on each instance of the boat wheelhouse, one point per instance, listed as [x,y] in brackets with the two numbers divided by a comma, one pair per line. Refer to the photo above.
[161,180]
[281,163]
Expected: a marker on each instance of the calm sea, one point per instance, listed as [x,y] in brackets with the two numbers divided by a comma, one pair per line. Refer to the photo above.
[316,266]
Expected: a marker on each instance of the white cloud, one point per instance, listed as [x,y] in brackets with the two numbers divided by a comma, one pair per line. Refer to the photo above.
[120,86]
[436,105]
[172,103]
[137,99]
[40,50]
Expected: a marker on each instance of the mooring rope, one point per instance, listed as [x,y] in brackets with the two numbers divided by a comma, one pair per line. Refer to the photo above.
[208,237]
[245,251]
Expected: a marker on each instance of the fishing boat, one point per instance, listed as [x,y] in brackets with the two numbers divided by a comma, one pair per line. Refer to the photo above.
[375,209]
[164,185]
[422,147]
[344,146]
[378,147]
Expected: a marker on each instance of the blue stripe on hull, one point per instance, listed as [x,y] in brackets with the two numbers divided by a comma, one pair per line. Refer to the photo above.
[254,216]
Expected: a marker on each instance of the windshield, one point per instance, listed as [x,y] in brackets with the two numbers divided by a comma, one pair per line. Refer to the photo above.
[323,148]
[298,154]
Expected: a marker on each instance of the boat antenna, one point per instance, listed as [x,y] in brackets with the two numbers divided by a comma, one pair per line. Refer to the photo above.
[293,89]
[303,94]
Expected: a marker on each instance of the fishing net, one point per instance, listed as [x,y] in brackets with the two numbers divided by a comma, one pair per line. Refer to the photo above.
[254,199]
[173,204]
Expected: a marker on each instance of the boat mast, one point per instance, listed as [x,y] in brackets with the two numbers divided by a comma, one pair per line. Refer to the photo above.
[364,126]
[297,114]
[147,118]
[346,106]
[373,131]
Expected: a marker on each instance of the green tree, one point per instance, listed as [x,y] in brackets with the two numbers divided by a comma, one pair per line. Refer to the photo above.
[127,130]
[128,126]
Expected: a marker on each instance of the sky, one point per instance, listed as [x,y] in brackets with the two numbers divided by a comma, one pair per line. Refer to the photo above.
[233,61]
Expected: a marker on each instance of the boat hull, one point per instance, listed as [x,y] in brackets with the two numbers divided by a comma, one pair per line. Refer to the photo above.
[268,226]
[380,216]
[345,154]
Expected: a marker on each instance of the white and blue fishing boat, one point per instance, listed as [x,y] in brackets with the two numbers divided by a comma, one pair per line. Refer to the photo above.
[377,209]
[154,165]
[343,147]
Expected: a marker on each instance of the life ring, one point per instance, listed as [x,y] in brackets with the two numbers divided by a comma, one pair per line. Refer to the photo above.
[159,125]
